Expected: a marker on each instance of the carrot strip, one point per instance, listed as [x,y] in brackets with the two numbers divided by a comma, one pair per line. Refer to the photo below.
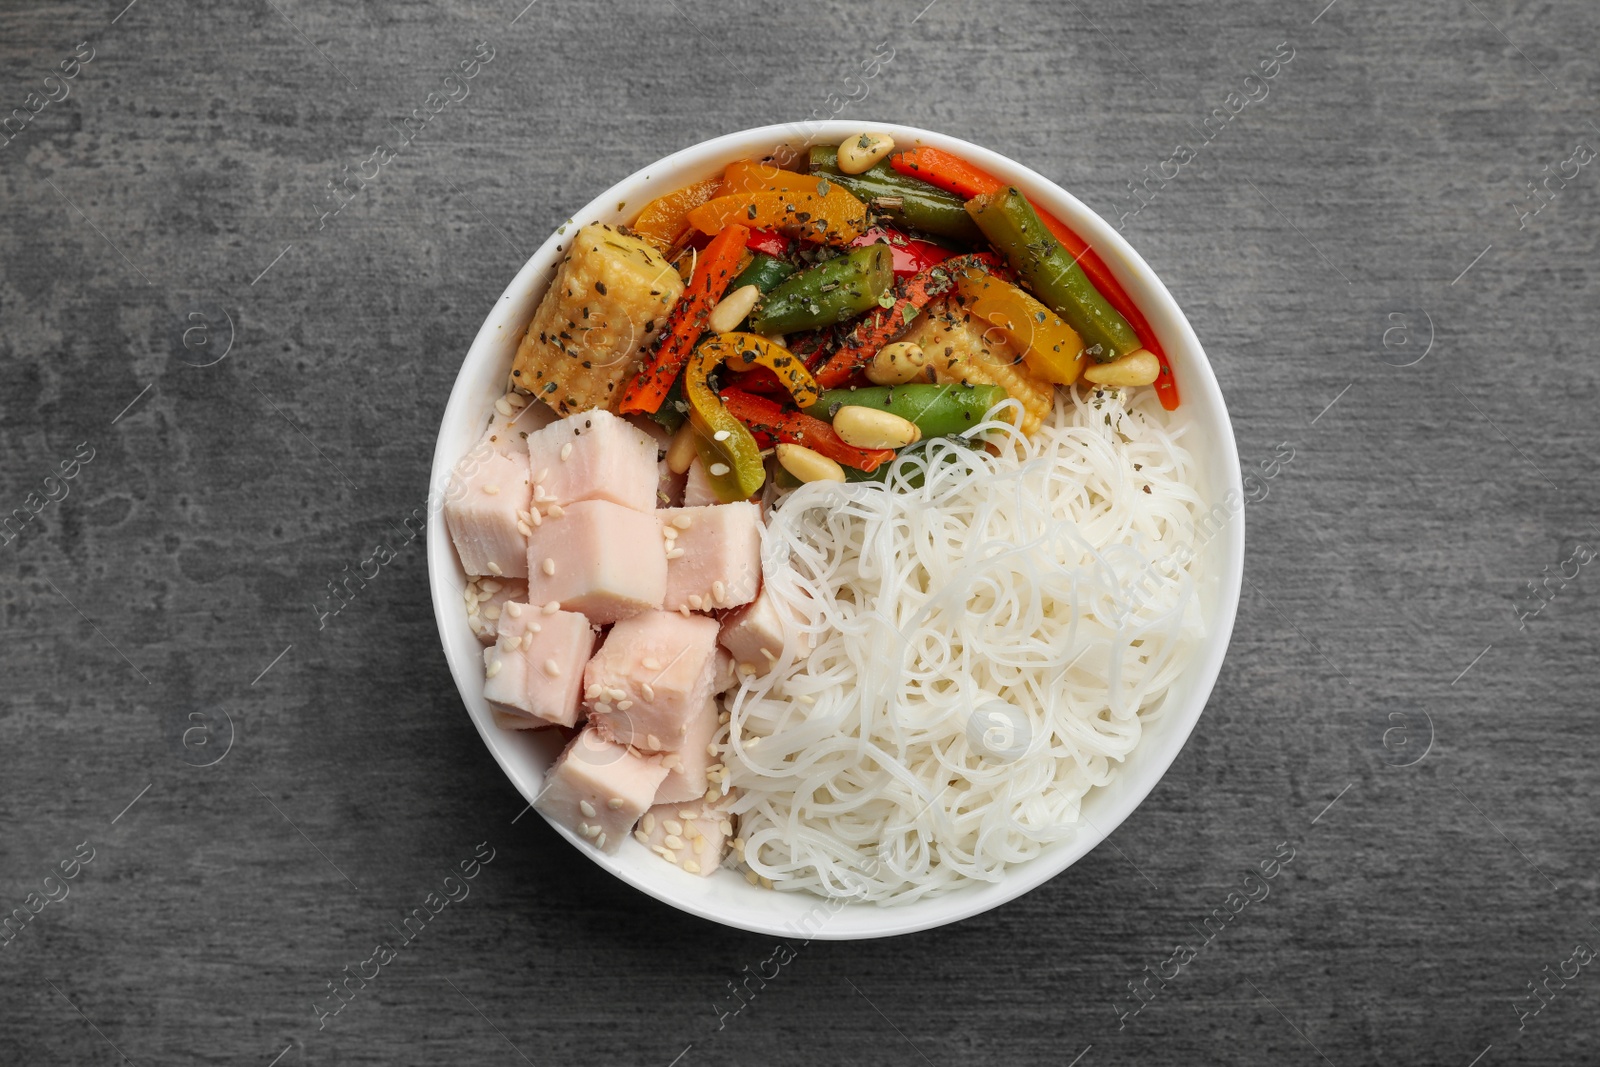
[882,326]
[767,419]
[956,175]
[687,322]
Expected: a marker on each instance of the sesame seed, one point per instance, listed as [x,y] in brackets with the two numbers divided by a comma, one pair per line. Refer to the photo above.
[494,568]
[676,553]
[685,813]
[502,407]
[491,612]
[738,844]
[470,593]
[667,854]
[650,663]
[494,669]
[524,529]
[694,601]
[647,690]
[586,807]
[683,609]
[592,692]
[491,490]
[721,435]
[747,668]
[691,866]
[603,708]
[618,693]
[600,842]
[719,469]
[538,520]
[552,607]
[643,838]
[624,705]
[711,795]
[548,566]
[653,741]
[726,827]
[484,594]
[556,511]
[539,494]
[489,585]
[722,720]
[534,628]
[673,826]
[672,841]
[614,803]
[566,451]
[752,742]
[669,532]
[544,472]
[552,668]
[682,522]
[694,831]
[648,822]
[806,699]
[719,592]
[514,609]
[589,830]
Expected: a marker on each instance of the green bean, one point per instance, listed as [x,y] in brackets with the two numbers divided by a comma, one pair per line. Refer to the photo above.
[912,201]
[1014,228]
[938,410]
[833,291]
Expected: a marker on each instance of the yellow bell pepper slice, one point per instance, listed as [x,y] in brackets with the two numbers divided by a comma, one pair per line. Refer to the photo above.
[1051,348]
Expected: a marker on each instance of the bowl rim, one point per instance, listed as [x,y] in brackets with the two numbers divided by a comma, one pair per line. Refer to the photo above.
[1196,377]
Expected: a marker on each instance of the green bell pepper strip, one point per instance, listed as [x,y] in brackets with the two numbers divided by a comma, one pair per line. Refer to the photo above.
[1014,228]
[937,410]
[833,291]
[764,272]
[911,201]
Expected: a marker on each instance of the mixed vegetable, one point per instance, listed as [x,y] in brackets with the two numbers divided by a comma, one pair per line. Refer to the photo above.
[832,317]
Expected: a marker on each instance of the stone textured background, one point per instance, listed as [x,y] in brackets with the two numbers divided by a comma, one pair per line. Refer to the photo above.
[169,206]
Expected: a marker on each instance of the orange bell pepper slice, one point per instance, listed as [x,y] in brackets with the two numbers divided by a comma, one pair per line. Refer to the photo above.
[1051,348]
[664,219]
[821,211]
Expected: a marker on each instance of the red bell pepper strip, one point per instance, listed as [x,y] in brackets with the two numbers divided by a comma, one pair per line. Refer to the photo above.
[910,255]
[714,268]
[767,242]
[956,175]
[769,422]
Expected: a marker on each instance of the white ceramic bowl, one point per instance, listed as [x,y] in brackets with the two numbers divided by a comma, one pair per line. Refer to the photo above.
[725,897]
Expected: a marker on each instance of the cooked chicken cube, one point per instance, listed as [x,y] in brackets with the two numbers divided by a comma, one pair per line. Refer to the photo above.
[598,789]
[593,455]
[481,511]
[715,558]
[651,679]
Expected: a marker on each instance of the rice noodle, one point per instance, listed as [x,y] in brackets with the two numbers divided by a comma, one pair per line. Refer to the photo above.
[990,634]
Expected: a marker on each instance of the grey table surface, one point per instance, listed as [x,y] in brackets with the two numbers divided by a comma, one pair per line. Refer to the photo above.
[246,393]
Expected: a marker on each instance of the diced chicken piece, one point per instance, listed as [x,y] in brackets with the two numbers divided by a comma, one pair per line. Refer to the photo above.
[488,599]
[481,511]
[758,633]
[651,678]
[535,667]
[669,486]
[598,789]
[599,558]
[720,561]
[686,777]
[726,677]
[609,299]
[693,836]
[594,455]
[697,491]
[513,418]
